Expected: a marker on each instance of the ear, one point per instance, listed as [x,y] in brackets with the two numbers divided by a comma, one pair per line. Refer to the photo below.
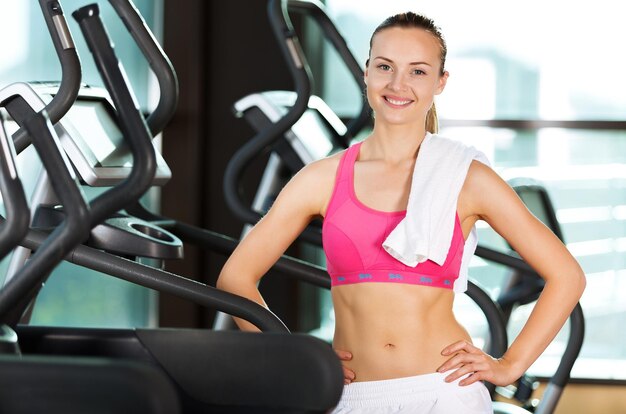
[443,80]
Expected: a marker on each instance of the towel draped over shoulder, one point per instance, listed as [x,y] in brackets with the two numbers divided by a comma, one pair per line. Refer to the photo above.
[426,231]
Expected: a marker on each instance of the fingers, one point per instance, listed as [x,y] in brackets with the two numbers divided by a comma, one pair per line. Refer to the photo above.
[467,361]
[462,353]
[458,347]
[348,374]
[470,379]
[458,361]
[343,355]
[477,369]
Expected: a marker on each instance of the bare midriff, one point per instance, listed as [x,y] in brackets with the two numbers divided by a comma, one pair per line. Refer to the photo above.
[394,330]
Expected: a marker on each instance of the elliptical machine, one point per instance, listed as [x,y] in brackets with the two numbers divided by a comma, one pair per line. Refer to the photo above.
[204,367]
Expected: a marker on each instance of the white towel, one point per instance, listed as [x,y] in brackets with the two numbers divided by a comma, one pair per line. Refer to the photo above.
[426,231]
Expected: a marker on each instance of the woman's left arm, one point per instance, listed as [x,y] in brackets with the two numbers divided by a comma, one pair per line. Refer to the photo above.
[486,196]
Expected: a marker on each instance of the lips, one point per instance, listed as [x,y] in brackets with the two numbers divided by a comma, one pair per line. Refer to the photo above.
[397,101]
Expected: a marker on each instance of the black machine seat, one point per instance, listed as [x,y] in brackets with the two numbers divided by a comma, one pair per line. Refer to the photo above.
[59,385]
[214,371]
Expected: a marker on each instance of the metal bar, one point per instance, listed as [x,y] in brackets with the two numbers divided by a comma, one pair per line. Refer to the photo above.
[531,124]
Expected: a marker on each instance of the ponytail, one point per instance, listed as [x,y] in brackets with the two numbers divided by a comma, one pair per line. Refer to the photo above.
[432,121]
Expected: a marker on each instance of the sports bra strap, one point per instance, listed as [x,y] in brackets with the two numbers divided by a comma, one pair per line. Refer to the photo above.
[346,165]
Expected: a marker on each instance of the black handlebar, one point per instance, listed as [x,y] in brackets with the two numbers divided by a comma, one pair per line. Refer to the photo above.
[131,120]
[283,30]
[70,63]
[164,281]
[73,230]
[316,10]
[290,48]
[12,230]
[574,344]
[158,61]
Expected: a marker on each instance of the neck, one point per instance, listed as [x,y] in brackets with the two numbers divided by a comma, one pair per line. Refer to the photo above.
[395,143]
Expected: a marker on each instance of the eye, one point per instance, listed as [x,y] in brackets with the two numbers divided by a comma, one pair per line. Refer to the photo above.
[418,72]
[384,67]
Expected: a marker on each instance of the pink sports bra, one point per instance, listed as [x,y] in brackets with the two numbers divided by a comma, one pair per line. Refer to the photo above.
[353,234]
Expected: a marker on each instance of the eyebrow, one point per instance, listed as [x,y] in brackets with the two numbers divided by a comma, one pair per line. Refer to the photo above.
[411,63]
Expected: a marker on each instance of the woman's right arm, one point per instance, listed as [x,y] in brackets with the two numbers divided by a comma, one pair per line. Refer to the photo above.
[300,201]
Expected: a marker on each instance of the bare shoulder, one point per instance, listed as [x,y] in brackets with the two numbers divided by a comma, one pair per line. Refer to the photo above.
[323,168]
[483,192]
[312,186]
[478,173]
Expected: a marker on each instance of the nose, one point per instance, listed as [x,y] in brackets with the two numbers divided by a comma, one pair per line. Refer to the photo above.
[397,81]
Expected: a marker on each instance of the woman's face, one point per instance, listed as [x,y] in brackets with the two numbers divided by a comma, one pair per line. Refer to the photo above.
[403,75]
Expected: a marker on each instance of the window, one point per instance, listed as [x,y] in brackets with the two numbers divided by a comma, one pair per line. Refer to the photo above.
[556,61]
[75,296]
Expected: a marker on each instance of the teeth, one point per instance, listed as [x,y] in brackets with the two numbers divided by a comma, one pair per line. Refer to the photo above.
[395,102]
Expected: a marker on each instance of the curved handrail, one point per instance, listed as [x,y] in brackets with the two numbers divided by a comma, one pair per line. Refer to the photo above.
[12,230]
[317,11]
[281,24]
[159,63]
[131,120]
[291,50]
[70,65]
[555,386]
[167,282]
[73,230]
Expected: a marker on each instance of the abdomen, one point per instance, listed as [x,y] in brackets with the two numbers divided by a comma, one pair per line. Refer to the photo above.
[394,330]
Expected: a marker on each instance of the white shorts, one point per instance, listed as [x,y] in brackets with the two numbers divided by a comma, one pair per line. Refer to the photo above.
[427,393]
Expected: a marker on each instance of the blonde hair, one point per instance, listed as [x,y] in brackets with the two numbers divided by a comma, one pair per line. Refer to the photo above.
[432,121]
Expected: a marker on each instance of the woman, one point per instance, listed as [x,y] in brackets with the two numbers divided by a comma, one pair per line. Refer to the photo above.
[401,346]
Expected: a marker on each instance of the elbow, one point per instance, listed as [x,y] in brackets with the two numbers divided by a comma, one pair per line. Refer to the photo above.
[222,281]
[236,279]
[229,280]
[576,283]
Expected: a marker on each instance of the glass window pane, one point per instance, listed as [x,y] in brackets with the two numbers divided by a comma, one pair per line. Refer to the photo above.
[508,61]
[30,55]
